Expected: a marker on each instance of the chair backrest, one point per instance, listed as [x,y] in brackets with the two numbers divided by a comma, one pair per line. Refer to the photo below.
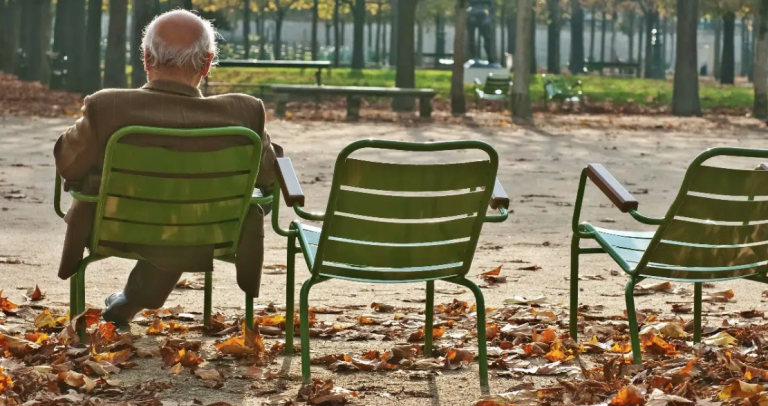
[717,228]
[159,196]
[496,85]
[405,222]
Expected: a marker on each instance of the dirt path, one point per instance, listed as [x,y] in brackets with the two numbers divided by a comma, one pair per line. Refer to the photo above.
[540,166]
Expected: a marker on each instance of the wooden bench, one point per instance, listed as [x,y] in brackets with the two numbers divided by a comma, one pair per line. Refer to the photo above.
[254,63]
[354,95]
[622,67]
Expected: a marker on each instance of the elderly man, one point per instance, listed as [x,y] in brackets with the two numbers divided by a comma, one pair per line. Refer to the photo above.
[179,48]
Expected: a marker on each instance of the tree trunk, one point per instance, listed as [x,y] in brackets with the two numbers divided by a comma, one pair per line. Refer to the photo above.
[503,26]
[262,30]
[640,45]
[533,43]
[521,99]
[12,29]
[603,27]
[92,72]
[377,45]
[419,44]
[718,48]
[277,51]
[649,25]
[393,33]
[512,32]
[336,43]
[553,37]
[405,75]
[614,17]
[458,99]
[631,36]
[114,60]
[33,16]
[315,19]
[727,68]
[760,107]
[75,47]
[142,15]
[3,31]
[685,96]
[592,24]
[663,36]
[247,28]
[577,38]
[384,44]
[358,40]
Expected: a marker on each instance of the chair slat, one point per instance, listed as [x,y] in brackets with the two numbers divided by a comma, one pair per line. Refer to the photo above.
[172,213]
[692,275]
[389,275]
[638,244]
[132,233]
[701,256]
[715,234]
[393,256]
[407,207]
[400,233]
[705,208]
[176,189]
[725,181]
[415,178]
[161,160]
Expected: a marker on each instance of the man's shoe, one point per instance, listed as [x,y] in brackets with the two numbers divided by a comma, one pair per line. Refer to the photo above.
[118,310]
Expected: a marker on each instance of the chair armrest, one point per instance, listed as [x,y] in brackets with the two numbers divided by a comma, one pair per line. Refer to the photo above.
[499,197]
[763,167]
[619,195]
[289,182]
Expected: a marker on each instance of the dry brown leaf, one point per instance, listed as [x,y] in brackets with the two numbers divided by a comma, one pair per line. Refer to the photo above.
[35,294]
[6,305]
[157,327]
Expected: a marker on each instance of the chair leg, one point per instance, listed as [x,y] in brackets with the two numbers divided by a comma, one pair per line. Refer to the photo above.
[697,312]
[634,336]
[249,311]
[482,356]
[304,320]
[574,311]
[430,319]
[207,299]
[289,294]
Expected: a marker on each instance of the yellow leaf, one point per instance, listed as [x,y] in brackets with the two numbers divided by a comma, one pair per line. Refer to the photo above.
[621,348]
[739,389]
[5,382]
[593,341]
[721,339]
[556,352]
[44,320]
[157,327]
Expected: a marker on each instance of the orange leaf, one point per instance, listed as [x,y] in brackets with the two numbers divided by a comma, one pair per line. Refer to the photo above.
[277,320]
[621,348]
[174,327]
[627,396]
[37,338]
[547,336]
[5,304]
[688,368]
[493,272]
[556,352]
[107,333]
[5,382]
[654,344]
[114,358]
[250,342]
[157,327]
[35,295]
[491,331]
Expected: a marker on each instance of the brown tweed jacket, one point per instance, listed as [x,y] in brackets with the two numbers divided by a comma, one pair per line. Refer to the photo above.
[80,152]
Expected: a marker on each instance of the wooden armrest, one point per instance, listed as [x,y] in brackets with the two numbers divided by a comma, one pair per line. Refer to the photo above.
[289,183]
[619,195]
[499,197]
[763,166]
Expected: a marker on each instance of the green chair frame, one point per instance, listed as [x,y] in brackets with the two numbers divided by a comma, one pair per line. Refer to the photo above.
[385,250]
[494,89]
[707,235]
[139,203]
[557,89]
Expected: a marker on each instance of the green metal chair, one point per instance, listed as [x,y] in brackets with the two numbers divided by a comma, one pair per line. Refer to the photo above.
[144,198]
[712,232]
[394,223]
[559,90]
[494,89]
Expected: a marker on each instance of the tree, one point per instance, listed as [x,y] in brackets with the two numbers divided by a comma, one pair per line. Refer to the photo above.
[142,15]
[358,55]
[727,67]
[718,47]
[592,23]
[685,95]
[405,75]
[458,99]
[521,99]
[247,28]
[603,27]
[336,39]
[760,106]
[315,18]
[280,8]
[35,17]
[92,71]
[114,59]
[640,31]
[577,37]
[553,37]
[11,19]
[75,46]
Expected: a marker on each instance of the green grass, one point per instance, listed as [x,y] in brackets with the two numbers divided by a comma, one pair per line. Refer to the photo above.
[598,89]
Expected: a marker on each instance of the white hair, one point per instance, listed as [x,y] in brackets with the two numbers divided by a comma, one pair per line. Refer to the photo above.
[191,57]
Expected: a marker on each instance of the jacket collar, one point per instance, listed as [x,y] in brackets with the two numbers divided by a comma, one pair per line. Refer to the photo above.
[167,86]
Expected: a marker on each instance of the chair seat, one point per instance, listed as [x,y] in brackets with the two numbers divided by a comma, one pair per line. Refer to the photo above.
[628,245]
[491,97]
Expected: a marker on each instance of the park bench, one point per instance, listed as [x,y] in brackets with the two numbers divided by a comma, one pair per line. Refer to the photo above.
[394,223]
[253,63]
[145,199]
[354,95]
[713,231]
[494,89]
[622,67]
[558,89]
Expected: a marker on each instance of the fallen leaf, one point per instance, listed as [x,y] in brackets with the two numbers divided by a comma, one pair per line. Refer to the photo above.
[493,272]
[382,308]
[659,398]
[721,339]
[628,395]
[739,389]
[45,320]
[157,327]
[6,305]
[719,297]
[5,382]
[35,294]
[176,369]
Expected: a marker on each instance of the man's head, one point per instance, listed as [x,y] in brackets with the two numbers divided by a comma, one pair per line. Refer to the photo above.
[179,46]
